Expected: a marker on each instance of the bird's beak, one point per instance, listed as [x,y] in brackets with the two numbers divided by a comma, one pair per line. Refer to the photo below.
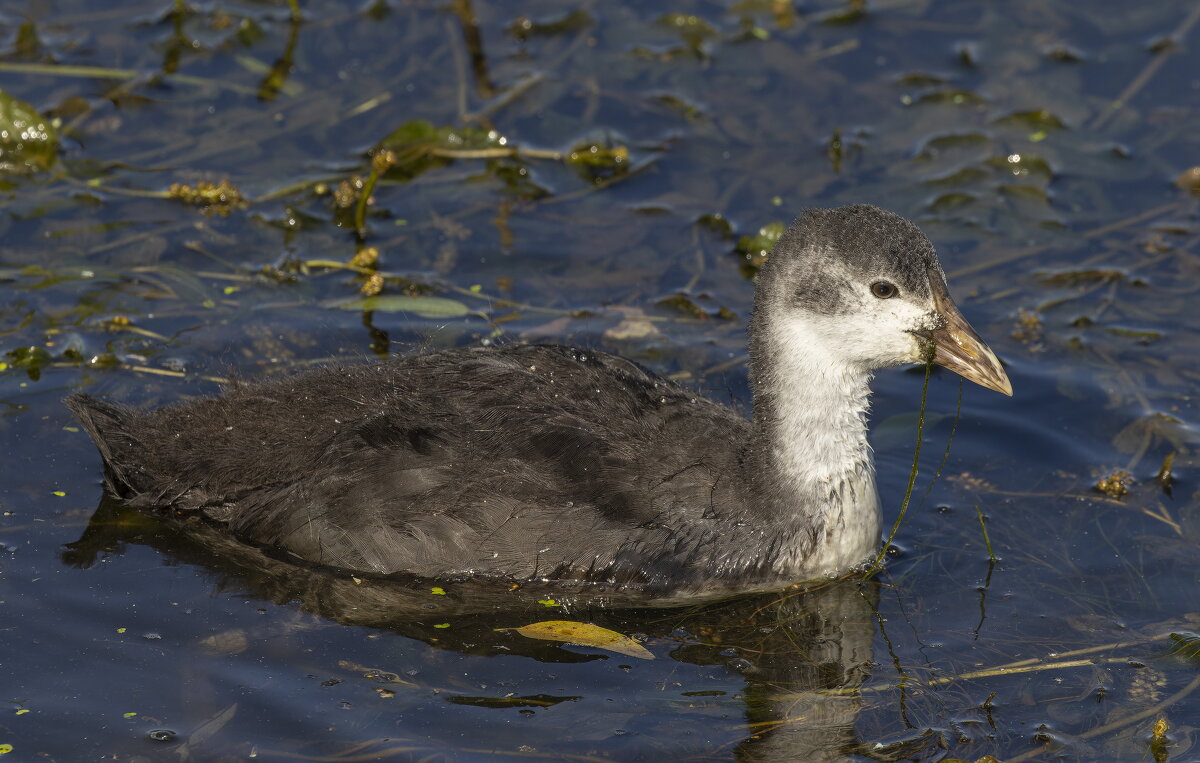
[956,345]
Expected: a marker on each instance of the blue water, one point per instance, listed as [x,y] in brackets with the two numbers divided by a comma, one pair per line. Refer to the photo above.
[144,638]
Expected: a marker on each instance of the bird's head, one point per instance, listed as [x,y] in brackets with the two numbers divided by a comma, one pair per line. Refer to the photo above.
[866,286]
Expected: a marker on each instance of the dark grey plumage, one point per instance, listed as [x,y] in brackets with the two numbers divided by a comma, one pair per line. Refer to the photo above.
[525,462]
[544,462]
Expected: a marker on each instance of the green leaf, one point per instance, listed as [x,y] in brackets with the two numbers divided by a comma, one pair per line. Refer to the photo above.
[31,358]
[413,141]
[940,144]
[693,29]
[950,201]
[1186,644]
[526,27]
[955,96]
[585,634]
[409,133]
[598,160]
[854,13]
[717,223]
[1024,191]
[1022,165]
[425,307]
[920,79]
[28,141]
[1037,119]
[756,248]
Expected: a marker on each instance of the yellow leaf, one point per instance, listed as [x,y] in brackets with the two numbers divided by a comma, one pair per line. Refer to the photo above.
[585,634]
[438,591]
[5,749]
[1160,729]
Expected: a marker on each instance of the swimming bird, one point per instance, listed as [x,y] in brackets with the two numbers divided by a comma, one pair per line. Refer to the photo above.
[552,463]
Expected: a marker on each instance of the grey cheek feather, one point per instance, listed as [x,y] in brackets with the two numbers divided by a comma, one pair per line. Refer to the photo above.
[827,292]
[821,295]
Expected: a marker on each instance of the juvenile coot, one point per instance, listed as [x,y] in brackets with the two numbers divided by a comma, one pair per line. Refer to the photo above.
[539,462]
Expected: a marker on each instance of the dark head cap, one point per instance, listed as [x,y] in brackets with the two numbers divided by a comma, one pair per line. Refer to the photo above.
[824,248]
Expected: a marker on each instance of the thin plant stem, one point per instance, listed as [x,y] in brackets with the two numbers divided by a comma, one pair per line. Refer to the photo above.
[987,541]
[912,476]
[1148,72]
[949,442]
[151,371]
[360,211]
[101,72]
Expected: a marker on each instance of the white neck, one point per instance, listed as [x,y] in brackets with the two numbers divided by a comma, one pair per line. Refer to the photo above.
[811,411]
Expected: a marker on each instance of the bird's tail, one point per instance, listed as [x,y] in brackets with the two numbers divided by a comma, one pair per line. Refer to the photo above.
[106,423]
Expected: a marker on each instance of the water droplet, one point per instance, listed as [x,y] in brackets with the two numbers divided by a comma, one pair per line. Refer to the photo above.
[742,665]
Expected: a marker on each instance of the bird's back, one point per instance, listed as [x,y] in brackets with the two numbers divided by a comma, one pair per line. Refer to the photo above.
[524,462]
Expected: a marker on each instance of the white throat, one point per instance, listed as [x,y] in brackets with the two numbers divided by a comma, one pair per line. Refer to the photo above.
[819,442]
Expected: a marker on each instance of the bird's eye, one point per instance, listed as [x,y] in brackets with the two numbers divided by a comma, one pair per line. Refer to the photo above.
[884,289]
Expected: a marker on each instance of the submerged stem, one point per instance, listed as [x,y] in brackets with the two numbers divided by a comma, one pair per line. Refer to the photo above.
[912,475]
[987,541]
[364,197]
[949,442]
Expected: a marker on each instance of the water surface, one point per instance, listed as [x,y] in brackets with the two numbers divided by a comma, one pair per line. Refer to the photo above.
[607,174]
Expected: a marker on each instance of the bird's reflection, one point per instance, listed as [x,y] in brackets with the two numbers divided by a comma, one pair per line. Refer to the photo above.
[802,655]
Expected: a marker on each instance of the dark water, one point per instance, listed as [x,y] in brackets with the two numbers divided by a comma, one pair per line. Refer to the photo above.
[1043,146]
